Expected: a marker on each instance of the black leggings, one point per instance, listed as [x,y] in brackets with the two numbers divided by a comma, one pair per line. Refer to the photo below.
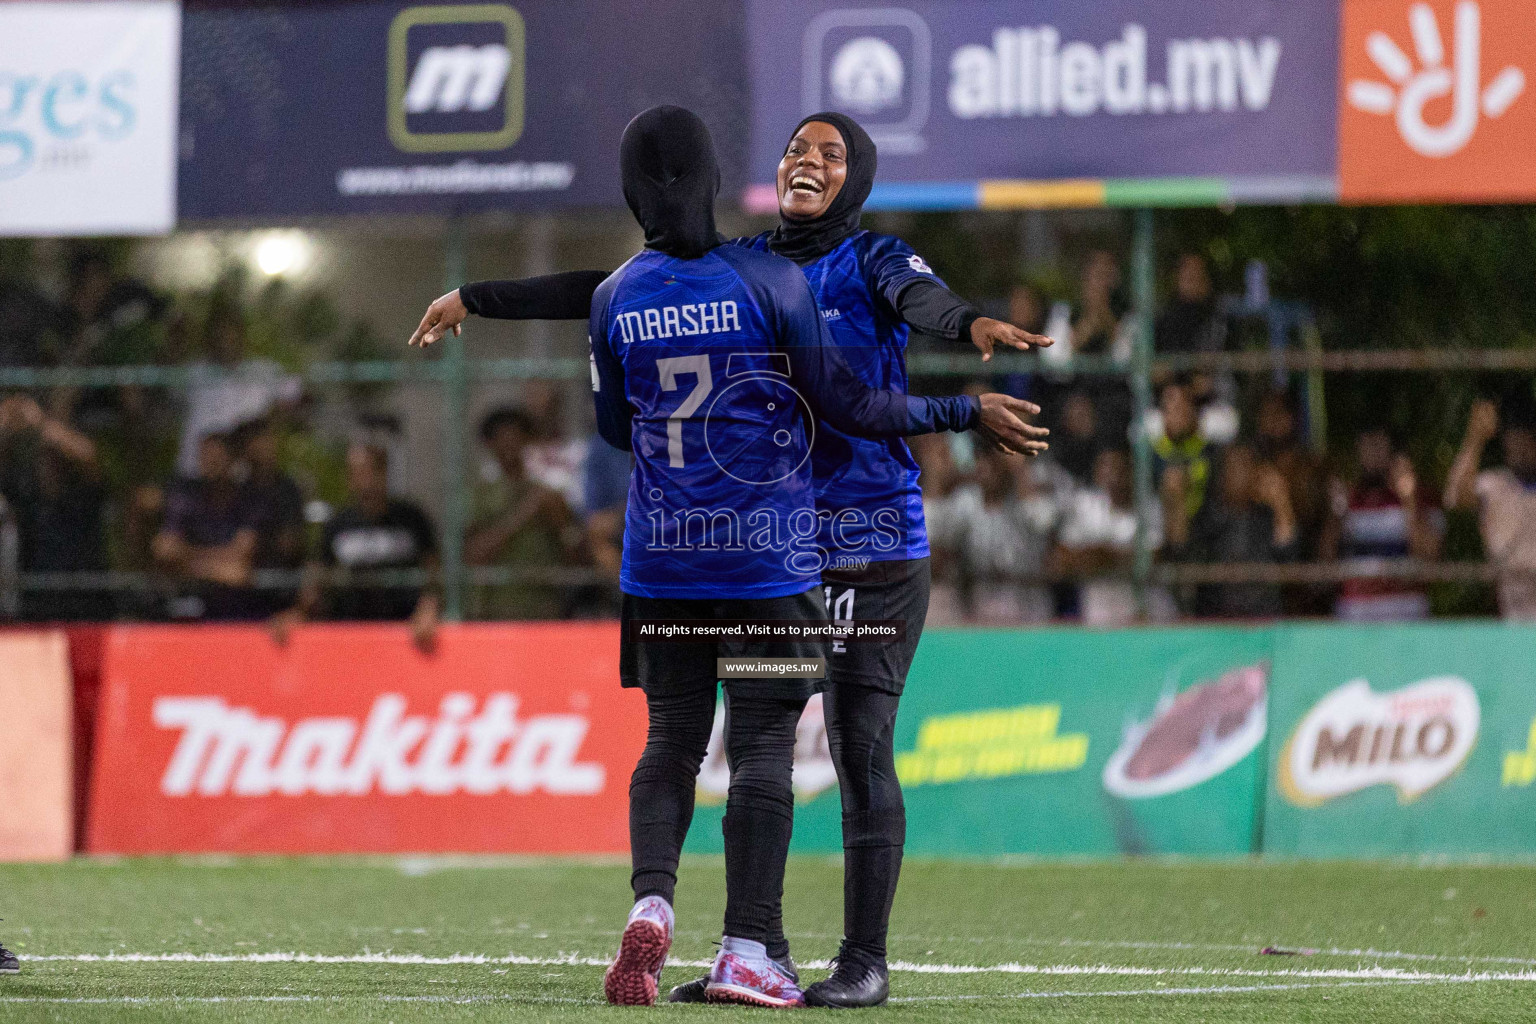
[861,723]
[759,811]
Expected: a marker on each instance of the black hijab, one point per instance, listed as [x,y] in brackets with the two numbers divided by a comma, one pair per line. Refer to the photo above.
[807,240]
[671,177]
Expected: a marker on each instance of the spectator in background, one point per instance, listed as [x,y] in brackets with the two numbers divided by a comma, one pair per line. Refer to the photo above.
[1384,513]
[1099,324]
[105,313]
[1075,444]
[228,389]
[1027,308]
[373,533]
[1101,327]
[940,480]
[51,483]
[107,320]
[605,489]
[1505,497]
[1098,538]
[1247,519]
[208,539]
[1000,536]
[1279,444]
[553,459]
[1183,458]
[1193,321]
[517,523]
[279,505]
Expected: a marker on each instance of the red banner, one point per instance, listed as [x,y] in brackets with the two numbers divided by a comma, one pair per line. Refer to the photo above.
[507,738]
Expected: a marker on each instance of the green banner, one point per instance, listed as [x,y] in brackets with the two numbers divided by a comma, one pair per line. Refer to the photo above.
[1057,741]
[1394,740]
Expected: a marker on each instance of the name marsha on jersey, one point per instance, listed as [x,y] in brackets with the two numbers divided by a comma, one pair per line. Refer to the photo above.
[678,321]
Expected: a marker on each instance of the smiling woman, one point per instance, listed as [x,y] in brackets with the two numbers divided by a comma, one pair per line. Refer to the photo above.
[824,178]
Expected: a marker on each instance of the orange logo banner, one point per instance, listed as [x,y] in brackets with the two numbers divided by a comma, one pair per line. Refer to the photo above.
[1437,101]
[510,738]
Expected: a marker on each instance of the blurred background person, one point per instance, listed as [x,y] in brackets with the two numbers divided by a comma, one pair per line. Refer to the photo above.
[1382,513]
[1247,519]
[1278,442]
[1504,497]
[51,484]
[998,540]
[1096,543]
[553,458]
[207,542]
[1183,459]
[373,533]
[279,505]
[520,524]
[1076,443]
[227,388]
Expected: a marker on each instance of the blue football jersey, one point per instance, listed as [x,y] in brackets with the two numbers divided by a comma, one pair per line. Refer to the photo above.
[719,375]
[867,493]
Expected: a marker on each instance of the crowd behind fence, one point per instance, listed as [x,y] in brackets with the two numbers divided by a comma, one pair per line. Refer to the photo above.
[154,465]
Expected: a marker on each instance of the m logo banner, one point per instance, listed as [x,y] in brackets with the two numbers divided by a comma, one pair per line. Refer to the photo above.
[456,78]
[510,738]
[88,117]
[1436,102]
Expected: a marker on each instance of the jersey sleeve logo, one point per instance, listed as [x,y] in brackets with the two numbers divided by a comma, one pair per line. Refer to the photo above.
[916,263]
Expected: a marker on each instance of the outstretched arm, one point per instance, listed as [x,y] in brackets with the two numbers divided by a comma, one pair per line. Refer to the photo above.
[838,396]
[565,296]
[933,309]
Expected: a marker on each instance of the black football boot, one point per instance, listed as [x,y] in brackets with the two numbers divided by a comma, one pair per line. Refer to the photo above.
[854,982]
[693,991]
[8,962]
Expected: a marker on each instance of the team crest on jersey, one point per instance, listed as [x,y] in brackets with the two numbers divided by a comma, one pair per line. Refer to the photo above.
[916,263]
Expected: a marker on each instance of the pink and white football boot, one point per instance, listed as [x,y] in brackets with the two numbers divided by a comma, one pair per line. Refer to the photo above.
[635,975]
[743,973]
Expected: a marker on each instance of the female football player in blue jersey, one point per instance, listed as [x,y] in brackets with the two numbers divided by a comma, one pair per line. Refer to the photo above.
[871,289]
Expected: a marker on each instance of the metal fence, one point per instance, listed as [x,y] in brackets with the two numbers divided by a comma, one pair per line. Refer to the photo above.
[448,367]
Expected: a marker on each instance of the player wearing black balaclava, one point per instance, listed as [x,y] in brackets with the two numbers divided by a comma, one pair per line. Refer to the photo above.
[871,289]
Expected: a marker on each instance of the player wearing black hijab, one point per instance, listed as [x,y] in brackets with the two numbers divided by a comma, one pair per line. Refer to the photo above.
[871,288]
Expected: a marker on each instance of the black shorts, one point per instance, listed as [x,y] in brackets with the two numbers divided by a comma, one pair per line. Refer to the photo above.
[880,590]
[674,666]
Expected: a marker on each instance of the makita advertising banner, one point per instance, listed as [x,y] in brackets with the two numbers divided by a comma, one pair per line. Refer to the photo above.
[959,91]
[88,117]
[507,738]
[302,109]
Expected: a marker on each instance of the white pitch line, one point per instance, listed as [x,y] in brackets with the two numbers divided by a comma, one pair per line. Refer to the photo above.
[163,1000]
[900,966]
[1212,990]
[1205,991]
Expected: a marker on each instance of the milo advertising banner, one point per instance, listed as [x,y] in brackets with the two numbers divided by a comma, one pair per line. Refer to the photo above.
[1055,742]
[1403,740]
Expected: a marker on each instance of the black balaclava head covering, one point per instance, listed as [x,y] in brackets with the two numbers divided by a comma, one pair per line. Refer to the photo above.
[671,177]
[807,240]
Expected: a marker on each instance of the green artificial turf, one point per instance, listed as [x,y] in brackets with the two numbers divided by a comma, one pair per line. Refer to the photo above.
[1111,941]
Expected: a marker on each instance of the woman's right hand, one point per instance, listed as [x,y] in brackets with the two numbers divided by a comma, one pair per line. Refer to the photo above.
[446,313]
[1002,424]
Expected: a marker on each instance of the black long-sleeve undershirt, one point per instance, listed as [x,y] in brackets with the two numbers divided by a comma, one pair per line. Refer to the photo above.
[926,305]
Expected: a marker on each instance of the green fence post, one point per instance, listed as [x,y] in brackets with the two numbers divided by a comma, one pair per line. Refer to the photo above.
[455,404]
[1143,294]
